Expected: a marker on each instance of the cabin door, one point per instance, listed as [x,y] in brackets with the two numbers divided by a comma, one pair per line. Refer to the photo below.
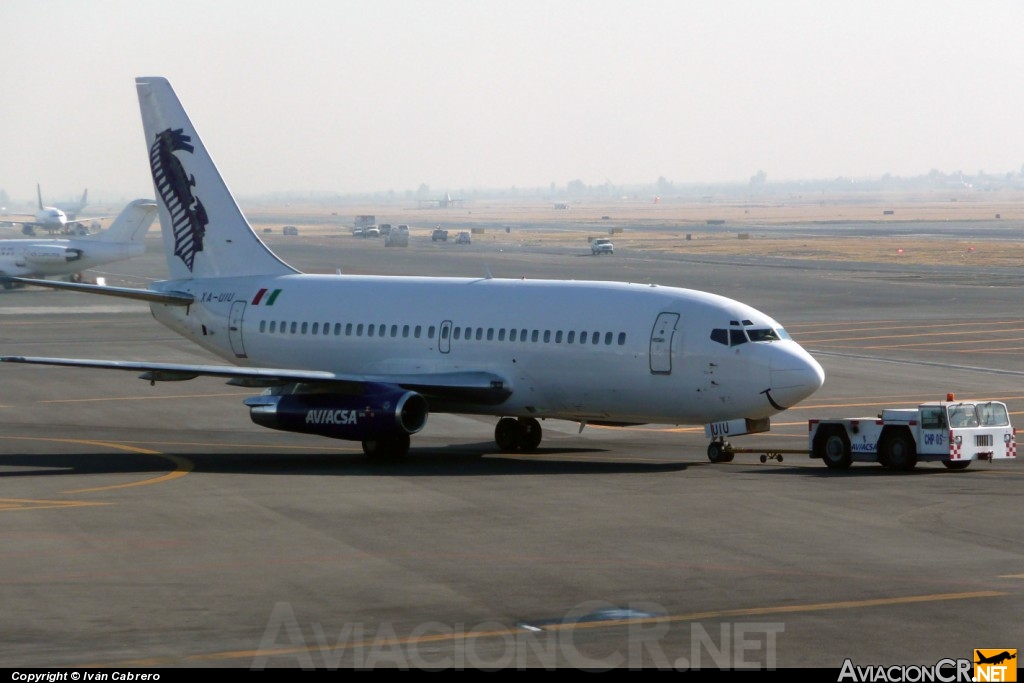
[235,328]
[444,340]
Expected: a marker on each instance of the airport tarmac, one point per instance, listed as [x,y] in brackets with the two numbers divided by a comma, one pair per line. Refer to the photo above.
[157,526]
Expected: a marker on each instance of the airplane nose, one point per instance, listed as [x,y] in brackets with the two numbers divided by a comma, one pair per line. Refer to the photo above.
[795,375]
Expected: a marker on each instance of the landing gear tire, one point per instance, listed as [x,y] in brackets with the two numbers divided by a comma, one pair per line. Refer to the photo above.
[531,433]
[956,464]
[387,447]
[720,451]
[508,434]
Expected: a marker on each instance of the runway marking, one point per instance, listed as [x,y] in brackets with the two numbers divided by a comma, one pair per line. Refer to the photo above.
[1012,576]
[17,504]
[593,625]
[182,465]
[329,449]
[972,324]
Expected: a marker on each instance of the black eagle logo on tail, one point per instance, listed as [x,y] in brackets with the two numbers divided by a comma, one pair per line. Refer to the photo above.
[188,215]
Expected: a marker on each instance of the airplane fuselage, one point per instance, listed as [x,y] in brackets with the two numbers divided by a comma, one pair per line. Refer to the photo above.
[597,351]
[48,257]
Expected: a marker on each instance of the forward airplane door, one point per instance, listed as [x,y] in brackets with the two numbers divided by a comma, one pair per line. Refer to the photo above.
[662,334]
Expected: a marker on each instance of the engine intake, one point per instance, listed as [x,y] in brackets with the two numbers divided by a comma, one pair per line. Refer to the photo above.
[354,417]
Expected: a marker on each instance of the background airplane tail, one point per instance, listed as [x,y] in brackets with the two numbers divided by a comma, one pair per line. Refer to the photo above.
[204,231]
[131,224]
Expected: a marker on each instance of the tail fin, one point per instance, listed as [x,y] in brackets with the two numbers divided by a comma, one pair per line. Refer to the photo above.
[131,224]
[39,193]
[204,231]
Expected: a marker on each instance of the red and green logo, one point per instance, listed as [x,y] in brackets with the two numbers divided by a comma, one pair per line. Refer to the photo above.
[270,299]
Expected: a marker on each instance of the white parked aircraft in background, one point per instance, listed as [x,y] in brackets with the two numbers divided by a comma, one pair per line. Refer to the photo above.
[53,219]
[367,358]
[43,257]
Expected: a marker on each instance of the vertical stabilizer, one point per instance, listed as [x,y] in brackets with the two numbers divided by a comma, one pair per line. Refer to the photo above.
[204,231]
[132,223]
[39,193]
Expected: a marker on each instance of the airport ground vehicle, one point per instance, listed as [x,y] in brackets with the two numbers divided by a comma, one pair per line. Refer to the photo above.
[439,235]
[290,230]
[602,245]
[953,432]
[463,238]
[397,237]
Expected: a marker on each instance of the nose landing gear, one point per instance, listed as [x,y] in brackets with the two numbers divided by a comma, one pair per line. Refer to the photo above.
[720,450]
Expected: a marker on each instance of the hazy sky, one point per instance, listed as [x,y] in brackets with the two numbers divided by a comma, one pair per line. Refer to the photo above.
[364,96]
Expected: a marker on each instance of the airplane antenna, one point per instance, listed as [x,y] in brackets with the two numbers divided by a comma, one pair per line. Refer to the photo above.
[487,273]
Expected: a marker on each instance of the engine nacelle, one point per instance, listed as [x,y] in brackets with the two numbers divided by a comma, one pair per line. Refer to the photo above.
[47,254]
[372,415]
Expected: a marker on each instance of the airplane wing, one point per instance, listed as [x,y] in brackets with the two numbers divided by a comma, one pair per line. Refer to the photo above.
[475,386]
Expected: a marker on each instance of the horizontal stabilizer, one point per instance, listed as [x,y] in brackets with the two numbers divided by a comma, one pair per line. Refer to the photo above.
[172,298]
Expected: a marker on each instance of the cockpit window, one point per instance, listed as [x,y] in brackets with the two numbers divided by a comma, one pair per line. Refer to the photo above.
[737,337]
[762,334]
[720,336]
[782,333]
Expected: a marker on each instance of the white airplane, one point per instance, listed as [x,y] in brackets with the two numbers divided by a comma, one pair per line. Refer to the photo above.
[366,358]
[52,219]
[58,256]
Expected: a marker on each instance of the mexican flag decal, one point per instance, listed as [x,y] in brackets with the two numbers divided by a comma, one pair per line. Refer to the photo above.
[262,293]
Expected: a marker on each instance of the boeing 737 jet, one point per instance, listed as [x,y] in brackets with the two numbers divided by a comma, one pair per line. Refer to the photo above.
[49,257]
[367,358]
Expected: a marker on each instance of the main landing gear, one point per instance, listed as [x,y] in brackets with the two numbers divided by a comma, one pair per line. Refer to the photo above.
[514,435]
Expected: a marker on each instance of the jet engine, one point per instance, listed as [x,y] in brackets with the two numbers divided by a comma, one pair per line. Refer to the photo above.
[378,413]
[46,254]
